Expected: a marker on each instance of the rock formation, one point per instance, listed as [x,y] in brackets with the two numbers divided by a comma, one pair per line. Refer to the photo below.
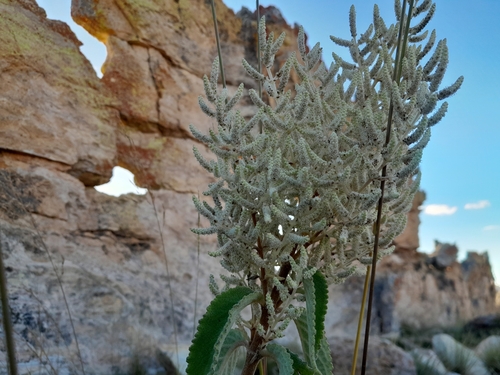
[416,290]
[384,358]
[61,132]
[129,265]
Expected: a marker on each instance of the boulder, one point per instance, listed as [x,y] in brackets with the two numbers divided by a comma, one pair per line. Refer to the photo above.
[384,358]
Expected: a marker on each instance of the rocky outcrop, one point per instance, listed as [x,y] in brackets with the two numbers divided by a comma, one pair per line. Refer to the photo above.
[408,240]
[128,268]
[410,290]
[53,109]
[417,289]
[384,358]
[444,255]
[157,55]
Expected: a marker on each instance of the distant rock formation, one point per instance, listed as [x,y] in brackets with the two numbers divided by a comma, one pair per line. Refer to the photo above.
[417,289]
[62,130]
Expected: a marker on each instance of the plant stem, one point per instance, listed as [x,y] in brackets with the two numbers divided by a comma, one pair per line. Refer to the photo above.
[171,293]
[197,271]
[59,281]
[259,62]
[253,356]
[221,65]
[7,323]
[360,321]
[396,76]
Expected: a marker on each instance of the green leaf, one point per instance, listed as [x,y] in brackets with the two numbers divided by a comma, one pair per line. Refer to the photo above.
[282,358]
[321,295]
[311,324]
[306,339]
[204,353]
[299,366]
[324,361]
[230,352]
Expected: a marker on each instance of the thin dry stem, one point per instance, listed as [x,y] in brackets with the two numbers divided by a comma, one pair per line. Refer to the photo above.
[397,72]
[58,276]
[216,28]
[7,322]
[197,271]
[168,277]
[360,321]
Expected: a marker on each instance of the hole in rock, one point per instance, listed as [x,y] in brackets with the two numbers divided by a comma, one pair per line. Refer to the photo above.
[93,50]
[122,182]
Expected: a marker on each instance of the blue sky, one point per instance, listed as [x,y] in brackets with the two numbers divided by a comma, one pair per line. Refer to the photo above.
[461,170]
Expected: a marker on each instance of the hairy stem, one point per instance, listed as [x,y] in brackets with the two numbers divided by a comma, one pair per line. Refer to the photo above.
[256,342]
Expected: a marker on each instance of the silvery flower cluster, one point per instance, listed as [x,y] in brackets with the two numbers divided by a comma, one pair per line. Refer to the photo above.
[303,193]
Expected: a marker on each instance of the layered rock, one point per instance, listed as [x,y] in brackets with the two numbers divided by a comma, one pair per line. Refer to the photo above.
[408,240]
[53,109]
[128,266]
[410,290]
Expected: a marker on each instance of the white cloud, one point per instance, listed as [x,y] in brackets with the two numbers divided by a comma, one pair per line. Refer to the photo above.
[439,209]
[492,227]
[477,205]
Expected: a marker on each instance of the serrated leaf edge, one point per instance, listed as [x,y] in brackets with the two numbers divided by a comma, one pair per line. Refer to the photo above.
[233,315]
[237,296]
[282,358]
[321,306]
[229,352]
[299,366]
[324,362]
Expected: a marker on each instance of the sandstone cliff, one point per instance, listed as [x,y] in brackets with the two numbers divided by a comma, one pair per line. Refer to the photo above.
[61,132]
[128,265]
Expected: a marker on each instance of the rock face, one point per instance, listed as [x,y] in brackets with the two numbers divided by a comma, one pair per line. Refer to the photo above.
[384,358]
[127,267]
[444,255]
[416,289]
[53,109]
[410,290]
[408,240]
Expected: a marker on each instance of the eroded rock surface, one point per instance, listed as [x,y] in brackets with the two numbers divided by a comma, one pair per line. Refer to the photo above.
[384,358]
[61,132]
[410,290]
[52,105]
